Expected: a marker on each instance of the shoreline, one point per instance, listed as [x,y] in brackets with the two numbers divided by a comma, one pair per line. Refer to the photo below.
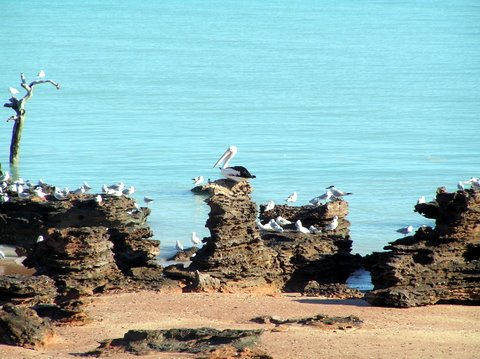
[438,331]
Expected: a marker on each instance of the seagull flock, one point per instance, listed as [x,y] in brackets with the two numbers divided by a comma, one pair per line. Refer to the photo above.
[276,225]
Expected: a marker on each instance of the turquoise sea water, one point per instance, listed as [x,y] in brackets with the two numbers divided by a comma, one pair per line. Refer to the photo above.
[380,98]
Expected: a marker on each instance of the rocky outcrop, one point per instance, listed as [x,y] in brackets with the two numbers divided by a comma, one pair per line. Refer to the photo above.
[331,290]
[81,263]
[324,256]
[321,321]
[235,253]
[21,326]
[23,220]
[436,265]
[27,290]
[240,255]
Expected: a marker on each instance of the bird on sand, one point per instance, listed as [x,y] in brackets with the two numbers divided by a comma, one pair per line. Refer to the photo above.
[405,230]
[314,230]
[195,239]
[292,198]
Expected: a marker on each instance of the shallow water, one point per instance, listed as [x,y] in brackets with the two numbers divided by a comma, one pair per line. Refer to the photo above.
[379,98]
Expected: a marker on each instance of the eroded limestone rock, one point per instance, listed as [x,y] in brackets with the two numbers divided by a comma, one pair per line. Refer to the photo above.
[435,265]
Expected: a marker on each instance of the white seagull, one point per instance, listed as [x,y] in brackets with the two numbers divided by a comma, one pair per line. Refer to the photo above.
[405,230]
[282,221]
[275,226]
[332,225]
[323,197]
[314,230]
[13,91]
[421,200]
[338,193]
[197,180]
[2,254]
[179,246]
[195,239]
[300,227]
[460,186]
[270,205]
[292,198]
[40,239]
[41,74]
[235,173]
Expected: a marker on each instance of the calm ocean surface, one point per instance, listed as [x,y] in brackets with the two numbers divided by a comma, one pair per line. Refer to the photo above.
[379,98]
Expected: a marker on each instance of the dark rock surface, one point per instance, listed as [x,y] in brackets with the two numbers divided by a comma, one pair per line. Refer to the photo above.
[434,265]
[26,290]
[320,320]
[200,341]
[22,326]
[331,290]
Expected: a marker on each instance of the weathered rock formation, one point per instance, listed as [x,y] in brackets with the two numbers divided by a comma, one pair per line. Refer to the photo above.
[83,243]
[235,253]
[435,265]
[238,254]
[27,290]
[24,219]
[22,326]
[200,341]
[331,290]
[324,257]
[322,321]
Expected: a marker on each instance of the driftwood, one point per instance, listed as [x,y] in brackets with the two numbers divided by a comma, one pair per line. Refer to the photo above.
[18,105]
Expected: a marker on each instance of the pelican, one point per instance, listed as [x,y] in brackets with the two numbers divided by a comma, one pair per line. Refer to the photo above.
[332,225]
[41,74]
[292,198]
[179,246]
[270,205]
[338,193]
[195,239]
[300,227]
[13,91]
[197,180]
[405,230]
[234,173]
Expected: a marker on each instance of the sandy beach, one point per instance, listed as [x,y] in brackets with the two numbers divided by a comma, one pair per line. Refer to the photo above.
[440,331]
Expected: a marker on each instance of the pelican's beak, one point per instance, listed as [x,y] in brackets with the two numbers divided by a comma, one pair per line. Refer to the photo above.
[224,157]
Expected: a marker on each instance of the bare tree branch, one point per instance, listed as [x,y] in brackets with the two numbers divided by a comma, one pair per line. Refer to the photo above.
[18,105]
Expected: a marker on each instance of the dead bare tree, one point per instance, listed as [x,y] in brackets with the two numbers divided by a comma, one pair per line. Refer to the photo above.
[18,105]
